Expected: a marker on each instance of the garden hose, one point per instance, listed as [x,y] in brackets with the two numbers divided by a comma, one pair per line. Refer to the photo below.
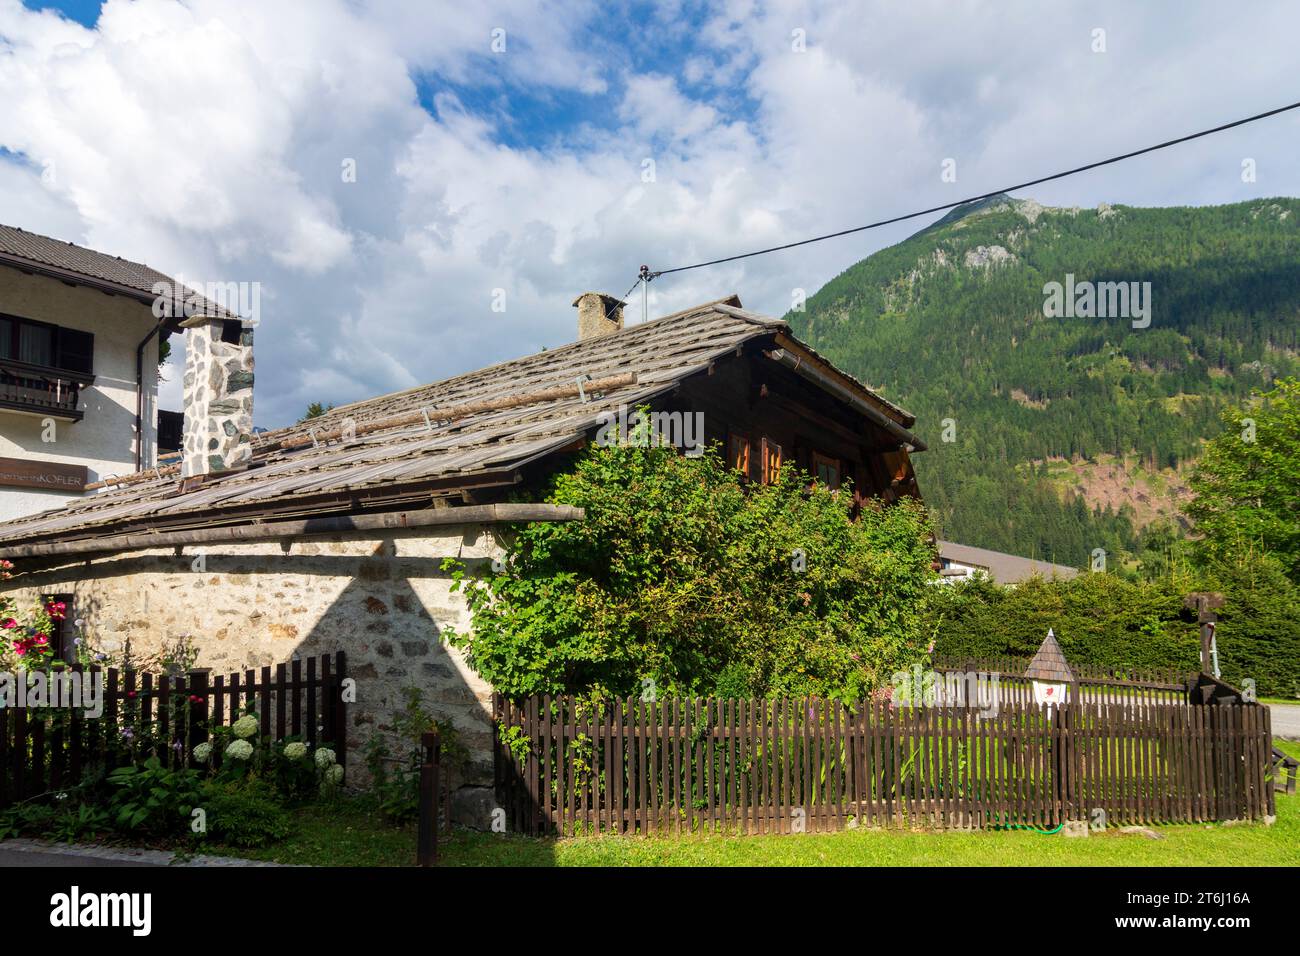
[1027,826]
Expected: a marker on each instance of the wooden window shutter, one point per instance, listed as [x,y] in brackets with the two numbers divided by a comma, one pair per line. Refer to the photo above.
[771,460]
[738,453]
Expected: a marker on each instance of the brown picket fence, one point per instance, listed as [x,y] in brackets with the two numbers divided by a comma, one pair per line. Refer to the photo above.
[46,749]
[761,766]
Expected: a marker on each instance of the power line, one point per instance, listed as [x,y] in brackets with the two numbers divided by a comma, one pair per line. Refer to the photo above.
[647,275]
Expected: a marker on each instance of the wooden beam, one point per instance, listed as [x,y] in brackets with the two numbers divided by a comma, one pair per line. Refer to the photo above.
[270,531]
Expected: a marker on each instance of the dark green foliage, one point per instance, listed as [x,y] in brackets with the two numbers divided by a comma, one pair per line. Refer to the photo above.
[1107,620]
[1099,619]
[948,340]
[153,800]
[244,815]
[680,577]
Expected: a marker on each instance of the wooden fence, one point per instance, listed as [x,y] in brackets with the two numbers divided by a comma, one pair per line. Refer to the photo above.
[754,766]
[964,683]
[44,749]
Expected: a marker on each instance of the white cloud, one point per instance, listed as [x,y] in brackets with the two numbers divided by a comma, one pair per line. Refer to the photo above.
[207,138]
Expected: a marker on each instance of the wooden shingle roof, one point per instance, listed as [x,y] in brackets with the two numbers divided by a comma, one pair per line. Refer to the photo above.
[465,452]
[1049,663]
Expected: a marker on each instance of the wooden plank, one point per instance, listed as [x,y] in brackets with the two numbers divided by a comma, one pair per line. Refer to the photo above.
[533,819]
[311,688]
[712,720]
[264,699]
[295,716]
[281,702]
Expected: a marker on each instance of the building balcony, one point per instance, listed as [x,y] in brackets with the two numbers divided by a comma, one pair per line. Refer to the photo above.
[37,390]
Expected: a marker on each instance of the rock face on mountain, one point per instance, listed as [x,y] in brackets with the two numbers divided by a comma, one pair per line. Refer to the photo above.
[1055,433]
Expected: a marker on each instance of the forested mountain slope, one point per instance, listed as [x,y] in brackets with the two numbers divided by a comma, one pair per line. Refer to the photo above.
[950,323]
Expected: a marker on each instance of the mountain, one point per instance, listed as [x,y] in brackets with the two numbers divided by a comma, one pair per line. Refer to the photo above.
[1053,430]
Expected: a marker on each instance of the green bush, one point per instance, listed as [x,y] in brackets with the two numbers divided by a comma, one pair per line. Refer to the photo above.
[244,815]
[1110,621]
[153,800]
[682,577]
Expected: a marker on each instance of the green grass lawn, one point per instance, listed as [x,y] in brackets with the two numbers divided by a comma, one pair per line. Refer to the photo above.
[348,834]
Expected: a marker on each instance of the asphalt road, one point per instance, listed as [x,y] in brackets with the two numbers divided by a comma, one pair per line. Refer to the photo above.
[26,858]
[1286,720]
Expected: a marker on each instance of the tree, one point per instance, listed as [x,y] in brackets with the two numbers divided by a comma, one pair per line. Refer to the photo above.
[316,410]
[1247,484]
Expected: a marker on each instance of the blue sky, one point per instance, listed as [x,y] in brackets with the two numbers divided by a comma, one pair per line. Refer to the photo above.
[206,137]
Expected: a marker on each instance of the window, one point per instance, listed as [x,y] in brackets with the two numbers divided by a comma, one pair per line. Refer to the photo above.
[36,344]
[738,453]
[61,628]
[49,346]
[771,460]
[826,470]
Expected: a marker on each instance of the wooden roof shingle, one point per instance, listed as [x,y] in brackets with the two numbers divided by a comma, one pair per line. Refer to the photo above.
[474,449]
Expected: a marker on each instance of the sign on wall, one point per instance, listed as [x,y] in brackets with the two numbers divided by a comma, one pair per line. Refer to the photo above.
[47,475]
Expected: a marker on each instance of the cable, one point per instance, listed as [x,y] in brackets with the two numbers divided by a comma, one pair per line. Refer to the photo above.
[647,276]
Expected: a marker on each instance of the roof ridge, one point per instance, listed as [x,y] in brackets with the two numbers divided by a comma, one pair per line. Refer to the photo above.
[558,350]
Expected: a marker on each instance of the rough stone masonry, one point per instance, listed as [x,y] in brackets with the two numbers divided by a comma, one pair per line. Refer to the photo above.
[384,601]
[218,390]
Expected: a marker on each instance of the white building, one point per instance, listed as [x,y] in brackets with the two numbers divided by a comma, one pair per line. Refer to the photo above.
[78,369]
[958,562]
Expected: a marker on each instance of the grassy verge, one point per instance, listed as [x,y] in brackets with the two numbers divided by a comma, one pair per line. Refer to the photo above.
[348,833]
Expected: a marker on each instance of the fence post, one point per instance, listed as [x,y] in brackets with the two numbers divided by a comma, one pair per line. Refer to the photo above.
[426,853]
[340,708]
[198,729]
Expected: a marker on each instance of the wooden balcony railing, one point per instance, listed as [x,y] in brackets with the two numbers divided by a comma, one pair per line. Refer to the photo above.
[48,391]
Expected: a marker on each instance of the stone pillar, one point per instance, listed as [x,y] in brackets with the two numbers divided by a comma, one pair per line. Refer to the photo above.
[218,389]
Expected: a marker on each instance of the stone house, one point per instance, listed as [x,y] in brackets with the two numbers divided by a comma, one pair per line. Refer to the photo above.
[329,534]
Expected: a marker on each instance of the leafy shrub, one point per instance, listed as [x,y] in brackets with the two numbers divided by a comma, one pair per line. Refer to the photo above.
[1106,620]
[80,821]
[153,800]
[245,816]
[681,576]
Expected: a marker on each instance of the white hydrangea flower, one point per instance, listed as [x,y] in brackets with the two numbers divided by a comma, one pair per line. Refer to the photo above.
[239,750]
[334,775]
[245,726]
[202,752]
[325,758]
[295,750]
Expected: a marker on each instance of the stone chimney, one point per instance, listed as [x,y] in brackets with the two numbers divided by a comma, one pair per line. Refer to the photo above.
[218,389]
[598,314]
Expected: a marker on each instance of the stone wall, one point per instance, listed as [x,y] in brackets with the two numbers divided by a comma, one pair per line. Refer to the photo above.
[382,600]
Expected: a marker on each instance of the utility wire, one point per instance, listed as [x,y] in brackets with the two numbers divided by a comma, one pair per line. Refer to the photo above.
[647,275]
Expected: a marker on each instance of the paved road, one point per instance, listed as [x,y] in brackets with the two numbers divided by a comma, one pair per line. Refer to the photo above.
[1286,720]
[24,852]
[40,858]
